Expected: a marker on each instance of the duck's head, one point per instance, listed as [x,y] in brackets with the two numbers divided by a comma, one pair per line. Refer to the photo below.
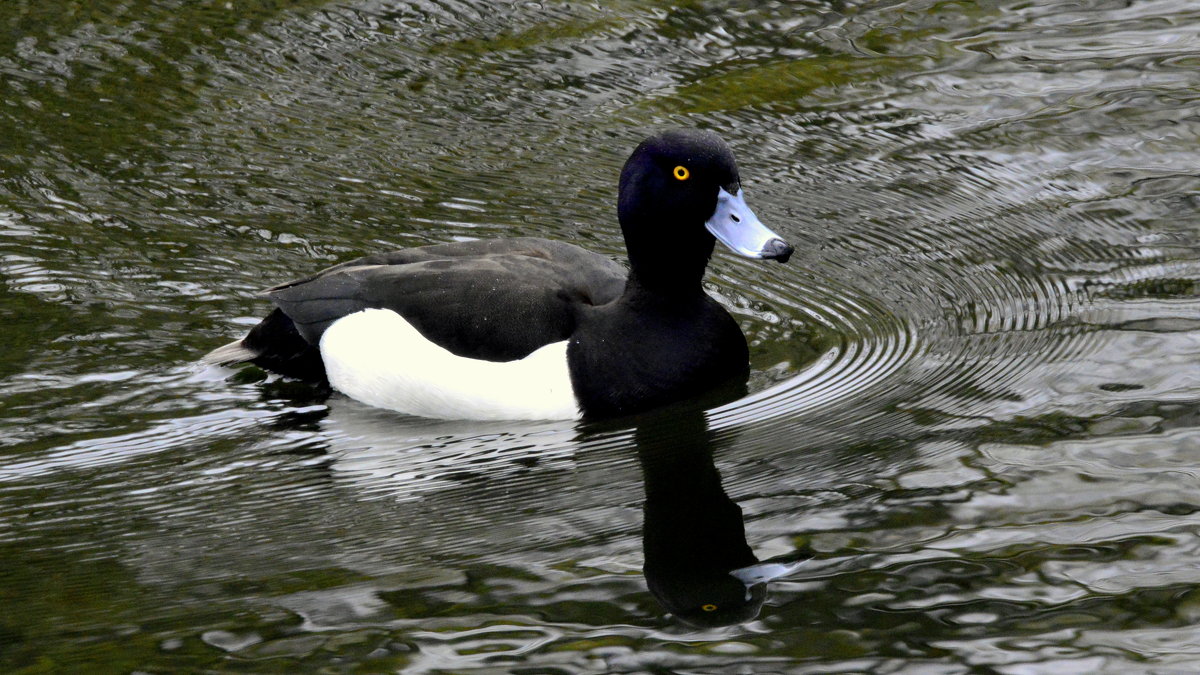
[680,192]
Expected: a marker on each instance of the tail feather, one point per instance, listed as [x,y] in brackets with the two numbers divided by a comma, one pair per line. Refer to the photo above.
[231,354]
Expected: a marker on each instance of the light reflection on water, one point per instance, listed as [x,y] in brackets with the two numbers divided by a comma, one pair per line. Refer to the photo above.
[973,414]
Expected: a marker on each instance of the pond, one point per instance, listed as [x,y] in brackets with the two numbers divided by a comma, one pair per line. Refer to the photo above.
[972,438]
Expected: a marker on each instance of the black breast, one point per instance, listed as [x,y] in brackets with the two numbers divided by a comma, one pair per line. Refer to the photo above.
[630,356]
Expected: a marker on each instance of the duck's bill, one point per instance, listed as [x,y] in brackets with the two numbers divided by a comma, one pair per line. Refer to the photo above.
[736,226]
[763,572]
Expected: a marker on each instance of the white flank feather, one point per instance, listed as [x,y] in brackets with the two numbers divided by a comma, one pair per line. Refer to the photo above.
[377,357]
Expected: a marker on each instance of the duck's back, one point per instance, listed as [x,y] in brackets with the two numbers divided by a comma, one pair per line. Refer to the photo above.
[495,300]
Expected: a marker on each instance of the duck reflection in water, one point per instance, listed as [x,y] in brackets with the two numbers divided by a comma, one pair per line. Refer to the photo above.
[697,562]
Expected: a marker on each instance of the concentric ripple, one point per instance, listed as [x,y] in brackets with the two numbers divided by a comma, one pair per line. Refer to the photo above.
[872,346]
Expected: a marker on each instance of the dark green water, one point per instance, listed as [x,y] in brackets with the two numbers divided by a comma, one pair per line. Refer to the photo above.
[976,397]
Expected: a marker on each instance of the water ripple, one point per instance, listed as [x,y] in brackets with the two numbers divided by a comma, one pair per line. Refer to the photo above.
[973,393]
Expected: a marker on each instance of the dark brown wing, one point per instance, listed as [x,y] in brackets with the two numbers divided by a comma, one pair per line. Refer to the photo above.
[497,300]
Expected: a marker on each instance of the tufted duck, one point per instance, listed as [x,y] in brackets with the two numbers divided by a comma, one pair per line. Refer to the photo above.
[528,328]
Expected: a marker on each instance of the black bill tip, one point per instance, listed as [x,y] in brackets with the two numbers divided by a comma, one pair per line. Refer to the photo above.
[777,249]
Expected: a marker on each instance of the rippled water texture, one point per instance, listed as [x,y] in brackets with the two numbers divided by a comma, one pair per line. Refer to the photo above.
[972,438]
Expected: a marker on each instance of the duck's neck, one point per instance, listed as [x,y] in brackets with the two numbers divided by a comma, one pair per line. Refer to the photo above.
[669,271]
[663,288]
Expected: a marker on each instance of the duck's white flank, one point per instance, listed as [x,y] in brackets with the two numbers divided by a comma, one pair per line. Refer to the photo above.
[377,357]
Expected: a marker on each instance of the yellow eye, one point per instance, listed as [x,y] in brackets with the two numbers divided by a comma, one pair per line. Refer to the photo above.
[682,173]
[707,608]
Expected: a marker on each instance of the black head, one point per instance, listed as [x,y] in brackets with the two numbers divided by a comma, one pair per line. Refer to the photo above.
[680,192]
[719,599]
[674,177]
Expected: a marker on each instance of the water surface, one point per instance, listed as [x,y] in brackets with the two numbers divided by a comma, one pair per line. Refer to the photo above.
[972,436]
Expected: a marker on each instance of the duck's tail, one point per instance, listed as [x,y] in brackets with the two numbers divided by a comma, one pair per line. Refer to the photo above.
[231,354]
[276,345]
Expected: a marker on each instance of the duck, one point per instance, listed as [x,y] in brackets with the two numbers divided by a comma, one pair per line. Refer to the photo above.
[527,328]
